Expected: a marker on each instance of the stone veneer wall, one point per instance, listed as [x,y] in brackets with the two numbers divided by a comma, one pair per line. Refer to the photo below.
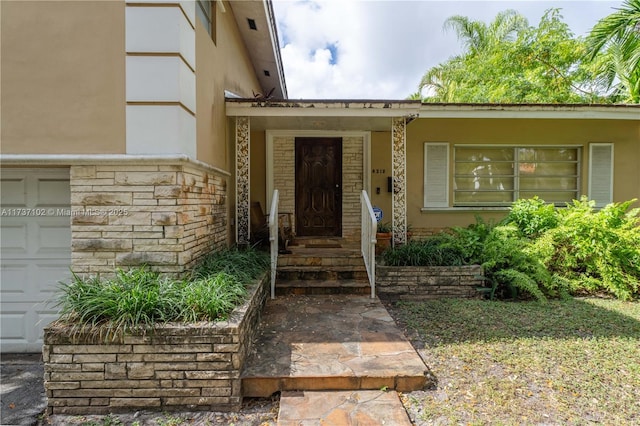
[284,166]
[418,233]
[428,282]
[176,367]
[165,216]
[352,180]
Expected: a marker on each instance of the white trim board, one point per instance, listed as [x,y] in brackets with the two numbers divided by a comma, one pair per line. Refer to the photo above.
[110,159]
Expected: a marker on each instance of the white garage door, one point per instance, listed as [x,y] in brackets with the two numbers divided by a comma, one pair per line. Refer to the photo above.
[35,251]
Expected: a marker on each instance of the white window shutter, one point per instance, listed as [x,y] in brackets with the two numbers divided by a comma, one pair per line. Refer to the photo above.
[601,173]
[436,174]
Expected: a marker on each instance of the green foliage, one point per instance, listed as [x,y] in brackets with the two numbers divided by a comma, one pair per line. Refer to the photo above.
[613,48]
[384,227]
[532,216]
[471,239]
[549,252]
[245,265]
[594,250]
[140,298]
[210,297]
[508,61]
[108,420]
[510,267]
[511,361]
[542,251]
[434,251]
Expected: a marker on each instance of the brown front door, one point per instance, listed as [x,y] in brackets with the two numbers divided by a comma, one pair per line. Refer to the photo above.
[319,187]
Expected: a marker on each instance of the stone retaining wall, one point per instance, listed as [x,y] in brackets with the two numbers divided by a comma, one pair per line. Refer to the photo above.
[176,367]
[428,282]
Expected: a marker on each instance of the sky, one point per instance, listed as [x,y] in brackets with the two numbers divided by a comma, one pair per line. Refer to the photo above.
[380,49]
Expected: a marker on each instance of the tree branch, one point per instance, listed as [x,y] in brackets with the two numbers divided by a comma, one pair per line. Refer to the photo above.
[559,73]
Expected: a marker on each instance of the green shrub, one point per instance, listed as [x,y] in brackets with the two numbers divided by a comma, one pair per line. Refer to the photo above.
[532,216]
[510,267]
[594,250]
[434,251]
[139,298]
[471,240]
[542,251]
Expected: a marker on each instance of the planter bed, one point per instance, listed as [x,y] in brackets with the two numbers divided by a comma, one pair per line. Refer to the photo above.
[428,282]
[174,367]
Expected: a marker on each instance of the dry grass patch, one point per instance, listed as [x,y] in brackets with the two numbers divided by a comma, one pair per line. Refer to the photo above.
[564,362]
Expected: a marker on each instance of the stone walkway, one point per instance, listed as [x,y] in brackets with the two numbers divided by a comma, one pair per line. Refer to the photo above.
[347,346]
[341,408]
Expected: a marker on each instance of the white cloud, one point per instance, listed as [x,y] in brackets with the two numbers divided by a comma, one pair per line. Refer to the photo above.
[368,49]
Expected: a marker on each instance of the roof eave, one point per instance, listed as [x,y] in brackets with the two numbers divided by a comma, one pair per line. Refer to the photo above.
[262,44]
[322,108]
[539,111]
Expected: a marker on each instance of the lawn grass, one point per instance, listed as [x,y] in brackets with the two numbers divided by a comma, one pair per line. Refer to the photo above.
[573,361]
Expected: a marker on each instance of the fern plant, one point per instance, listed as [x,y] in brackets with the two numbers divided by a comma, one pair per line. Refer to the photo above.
[595,250]
[511,268]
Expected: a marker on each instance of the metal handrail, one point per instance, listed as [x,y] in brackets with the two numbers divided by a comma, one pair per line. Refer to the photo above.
[273,240]
[368,240]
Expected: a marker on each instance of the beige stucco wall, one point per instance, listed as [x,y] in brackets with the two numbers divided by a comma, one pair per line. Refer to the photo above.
[258,168]
[380,170]
[625,134]
[222,66]
[63,77]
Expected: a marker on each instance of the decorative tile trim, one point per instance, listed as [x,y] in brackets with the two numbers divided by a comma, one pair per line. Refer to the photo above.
[242,179]
[399,195]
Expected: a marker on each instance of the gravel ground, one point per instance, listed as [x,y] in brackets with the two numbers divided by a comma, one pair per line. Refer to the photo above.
[23,403]
[254,412]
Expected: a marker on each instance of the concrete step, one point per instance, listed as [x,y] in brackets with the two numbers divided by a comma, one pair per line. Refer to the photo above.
[346,286]
[321,273]
[330,342]
[345,408]
[332,260]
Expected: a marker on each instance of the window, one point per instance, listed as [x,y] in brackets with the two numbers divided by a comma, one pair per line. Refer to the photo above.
[206,11]
[499,175]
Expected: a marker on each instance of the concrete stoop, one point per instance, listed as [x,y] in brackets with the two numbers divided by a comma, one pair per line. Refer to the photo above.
[330,342]
[342,408]
[333,352]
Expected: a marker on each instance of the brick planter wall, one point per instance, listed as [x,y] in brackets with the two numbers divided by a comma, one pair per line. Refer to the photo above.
[428,282]
[176,367]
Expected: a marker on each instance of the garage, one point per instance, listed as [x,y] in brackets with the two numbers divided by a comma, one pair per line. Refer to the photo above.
[35,250]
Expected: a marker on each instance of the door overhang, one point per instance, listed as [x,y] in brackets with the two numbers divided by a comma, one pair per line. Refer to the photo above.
[321,115]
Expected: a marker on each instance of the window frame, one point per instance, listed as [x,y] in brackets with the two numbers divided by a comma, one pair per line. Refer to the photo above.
[515,177]
[208,19]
